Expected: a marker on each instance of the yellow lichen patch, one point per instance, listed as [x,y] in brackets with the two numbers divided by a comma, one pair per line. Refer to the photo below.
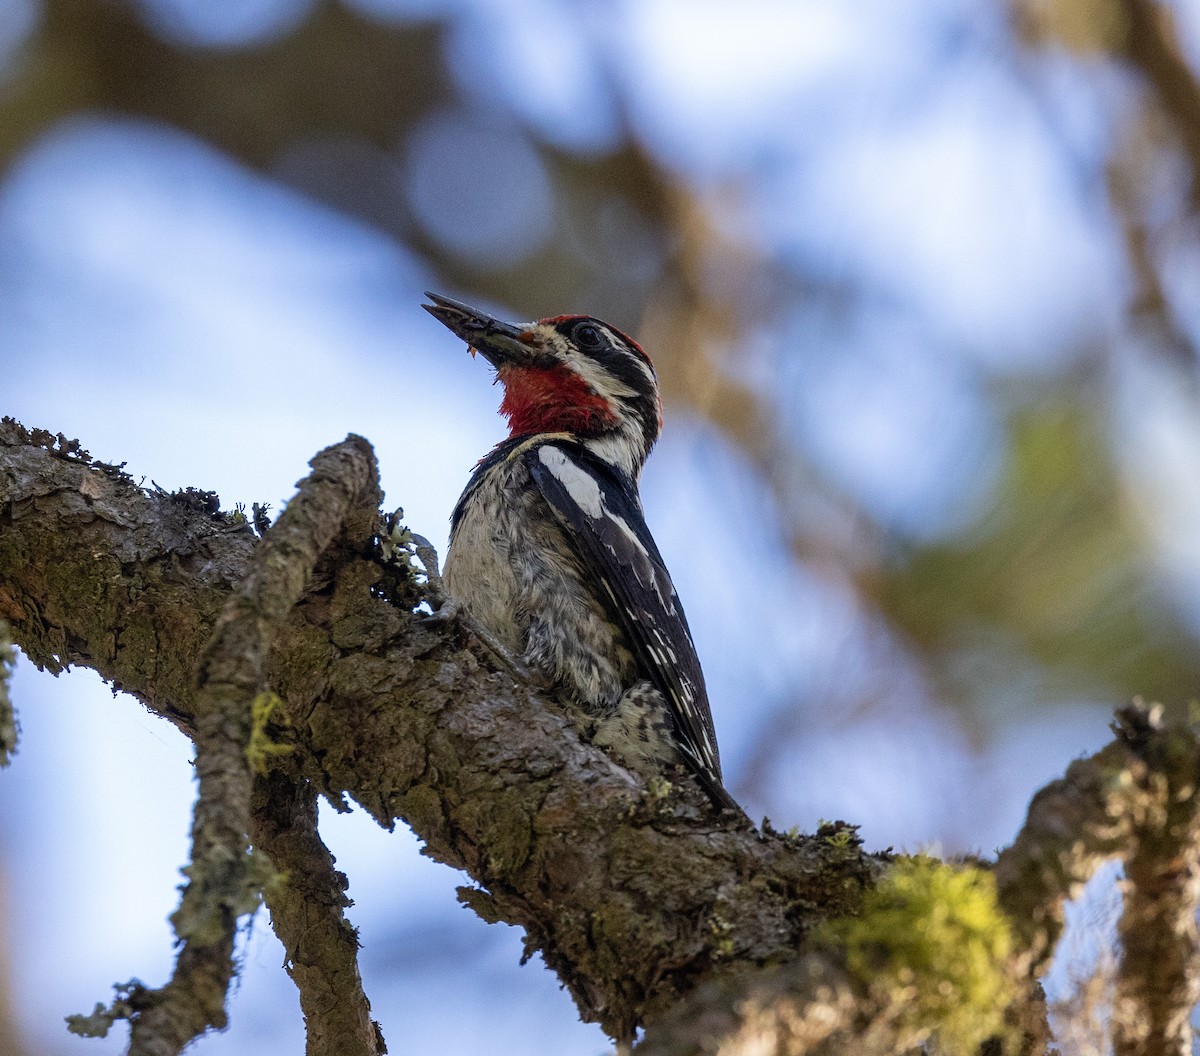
[267,708]
[932,946]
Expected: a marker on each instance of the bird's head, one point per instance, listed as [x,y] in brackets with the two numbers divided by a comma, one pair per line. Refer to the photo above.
[567,374]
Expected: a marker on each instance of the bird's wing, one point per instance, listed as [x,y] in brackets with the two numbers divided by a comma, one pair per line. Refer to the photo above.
[603,518]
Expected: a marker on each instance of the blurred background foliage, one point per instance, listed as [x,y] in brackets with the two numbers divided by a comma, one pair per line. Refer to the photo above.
[920,280]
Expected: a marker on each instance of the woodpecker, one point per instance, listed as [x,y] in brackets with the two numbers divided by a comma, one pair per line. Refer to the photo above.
[549,549]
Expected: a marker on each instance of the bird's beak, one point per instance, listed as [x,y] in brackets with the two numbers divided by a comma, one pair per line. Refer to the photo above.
[498,342]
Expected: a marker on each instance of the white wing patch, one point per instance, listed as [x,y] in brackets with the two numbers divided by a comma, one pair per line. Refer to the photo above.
[582,487]
[602,515]
[586,494]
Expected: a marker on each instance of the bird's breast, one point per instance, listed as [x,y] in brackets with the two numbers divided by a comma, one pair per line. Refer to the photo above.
[478,568]
[519,574]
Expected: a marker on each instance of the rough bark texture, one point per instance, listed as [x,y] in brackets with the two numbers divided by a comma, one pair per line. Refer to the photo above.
[307,915]
[1134,800]
[631,895]
[1158,980]
[224,881]
[322,680]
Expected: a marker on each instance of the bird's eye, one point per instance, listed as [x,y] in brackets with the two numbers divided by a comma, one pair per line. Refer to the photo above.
[588,336]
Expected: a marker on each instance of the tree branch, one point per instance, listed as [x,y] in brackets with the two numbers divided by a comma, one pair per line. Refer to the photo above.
[929,957]
[223,881]
[1158,978]
[1134,800]
[306,904]
[1151,43]
[794,1010]
[632,894]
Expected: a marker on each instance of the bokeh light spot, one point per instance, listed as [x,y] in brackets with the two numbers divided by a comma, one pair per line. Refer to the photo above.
[18,19]
[478,189]
[224,23]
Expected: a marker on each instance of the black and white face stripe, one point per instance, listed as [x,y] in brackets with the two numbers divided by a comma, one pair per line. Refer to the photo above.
[612,363]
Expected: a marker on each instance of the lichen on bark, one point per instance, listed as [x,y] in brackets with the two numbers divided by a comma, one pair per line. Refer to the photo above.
[651,911]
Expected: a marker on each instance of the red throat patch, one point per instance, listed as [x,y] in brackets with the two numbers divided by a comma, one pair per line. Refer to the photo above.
[551,400]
